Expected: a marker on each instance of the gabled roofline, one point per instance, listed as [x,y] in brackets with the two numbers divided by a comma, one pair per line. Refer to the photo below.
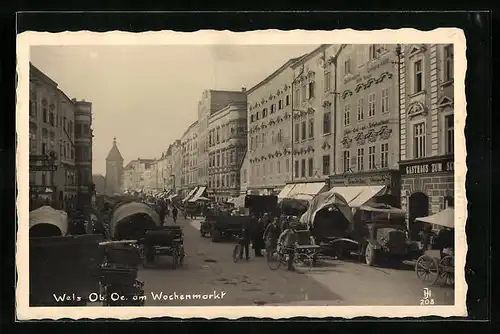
[274,74]
[308,56]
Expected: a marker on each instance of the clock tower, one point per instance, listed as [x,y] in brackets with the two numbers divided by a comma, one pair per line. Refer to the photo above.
[114,171]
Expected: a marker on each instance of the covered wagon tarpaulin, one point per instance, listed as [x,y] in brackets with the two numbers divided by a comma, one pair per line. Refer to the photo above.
[444,218]
[324,201]
[51,216]
[130,209]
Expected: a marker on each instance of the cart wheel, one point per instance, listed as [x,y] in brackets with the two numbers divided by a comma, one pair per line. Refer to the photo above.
[236,252]
[427,269]
[447,270]
[273,259]
[370,255]
[175,259]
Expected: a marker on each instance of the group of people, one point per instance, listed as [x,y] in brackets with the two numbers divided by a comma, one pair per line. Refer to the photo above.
[278,233]
[164,211]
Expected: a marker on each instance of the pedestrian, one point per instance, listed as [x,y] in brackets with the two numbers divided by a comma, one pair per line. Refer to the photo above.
[162,213]
[245,241]
[271,235]
[174,214]
[258,241]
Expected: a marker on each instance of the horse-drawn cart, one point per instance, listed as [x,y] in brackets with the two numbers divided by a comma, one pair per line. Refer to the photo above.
[165,240]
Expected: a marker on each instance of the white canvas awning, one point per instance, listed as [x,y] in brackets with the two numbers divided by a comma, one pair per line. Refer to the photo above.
[190,194]
[286,189]
[306,190]
[444,218]
[198,194]
[357,196]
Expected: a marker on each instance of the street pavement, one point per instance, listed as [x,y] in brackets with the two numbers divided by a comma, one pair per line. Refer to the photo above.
[209,277]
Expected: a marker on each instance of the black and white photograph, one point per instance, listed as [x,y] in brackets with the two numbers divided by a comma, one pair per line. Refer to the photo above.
[308,170]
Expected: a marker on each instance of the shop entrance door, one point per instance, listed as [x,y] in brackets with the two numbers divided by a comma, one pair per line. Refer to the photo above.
[418,207]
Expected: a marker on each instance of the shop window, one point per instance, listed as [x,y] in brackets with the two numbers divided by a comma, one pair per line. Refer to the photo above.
[361,113]
[346,161]
[384,155]
[327,122]
[347,114]
[385,100]
[326,165]
[449,134]
[418,77]
[303,168]
[448,62]
[303,134]
[371,157]
[371,105]
[419,140]
[361,159]
[311,128]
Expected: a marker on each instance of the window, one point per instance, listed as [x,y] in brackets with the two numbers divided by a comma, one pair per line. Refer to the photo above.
[45,115]
[304,93]
[287,166]
[360,56]
[448,62]
[273,138]
[44,179]
[33,107]
[297,132]
[263,139]
[361,112]
[371,157]
[33,141]
[327,122]
[371,105]
[217,135]
[361,159]
[251,118]
[311,89]
[296,97]
[347,114]
[310,163]
[303,136]
[450,134]
[270,167]
[278,166]
[419,140]
[376,50]
[296,168]
[257,116]
[326,165]
[280,136]
[311,128]
[384,155]
[385,100]
[418,76]
[280,104]
[347,66]
[346,161]
[303,168]
[327,81]
[287,100]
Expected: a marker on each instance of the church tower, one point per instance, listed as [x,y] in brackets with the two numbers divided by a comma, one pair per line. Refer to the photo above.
[114,171]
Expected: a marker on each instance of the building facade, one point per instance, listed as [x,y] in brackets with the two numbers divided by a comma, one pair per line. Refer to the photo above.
[54,169]
[367,117]
[99,182]
[83,150]
[114,171]
[269,131]
[244,175]
[189,144]
[210,102]
[137,175]
[427,129]
[227,146]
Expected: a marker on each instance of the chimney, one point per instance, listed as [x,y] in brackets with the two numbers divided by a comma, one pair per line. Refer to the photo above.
[243,89]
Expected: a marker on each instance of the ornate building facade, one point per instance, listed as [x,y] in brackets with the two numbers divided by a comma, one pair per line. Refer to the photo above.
[189,144]
[114,171]
[227,147]
[427,129]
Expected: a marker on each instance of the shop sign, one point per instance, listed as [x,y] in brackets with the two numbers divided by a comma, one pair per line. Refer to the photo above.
[378,179]
[441,166]
[370,125]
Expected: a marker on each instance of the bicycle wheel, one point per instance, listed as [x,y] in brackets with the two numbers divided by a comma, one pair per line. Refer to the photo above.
[237,252]
[273,259]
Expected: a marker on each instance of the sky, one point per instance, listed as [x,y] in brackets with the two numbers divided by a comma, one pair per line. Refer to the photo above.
[147,96]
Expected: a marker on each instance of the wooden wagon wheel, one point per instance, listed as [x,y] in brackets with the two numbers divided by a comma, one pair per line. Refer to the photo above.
[447,269]
[427,269]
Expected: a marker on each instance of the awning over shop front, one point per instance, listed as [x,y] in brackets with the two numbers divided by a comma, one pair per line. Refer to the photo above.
[357,196]
[190,194]
[198,194]
[306,190]
[286,189]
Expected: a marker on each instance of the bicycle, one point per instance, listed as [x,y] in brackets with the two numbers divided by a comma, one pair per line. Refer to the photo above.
[238,250]
[303,257]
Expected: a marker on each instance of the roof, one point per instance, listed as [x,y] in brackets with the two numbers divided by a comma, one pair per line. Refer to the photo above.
[306,57]
[275,73]
[114,154]
[35,71]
